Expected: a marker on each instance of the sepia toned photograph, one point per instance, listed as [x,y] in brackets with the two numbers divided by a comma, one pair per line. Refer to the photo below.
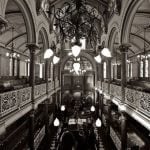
[74,74]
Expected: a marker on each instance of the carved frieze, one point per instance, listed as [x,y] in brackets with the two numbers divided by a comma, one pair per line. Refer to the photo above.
[10,101]
[39,90]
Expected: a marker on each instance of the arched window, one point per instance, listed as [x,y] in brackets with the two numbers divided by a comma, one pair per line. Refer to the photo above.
[141,68]
[104,69]
[131,70]
[146,68]
[128,70]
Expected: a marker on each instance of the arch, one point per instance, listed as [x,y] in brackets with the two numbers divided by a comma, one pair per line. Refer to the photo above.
[111,37]
[128,19]
[43,32]
[82,54]
[28,18]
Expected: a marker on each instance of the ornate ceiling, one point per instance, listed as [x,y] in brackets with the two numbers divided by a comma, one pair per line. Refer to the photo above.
[141,20]
[15,18]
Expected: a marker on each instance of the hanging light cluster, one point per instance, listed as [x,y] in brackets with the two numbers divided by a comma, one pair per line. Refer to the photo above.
[49,53]
[105,52]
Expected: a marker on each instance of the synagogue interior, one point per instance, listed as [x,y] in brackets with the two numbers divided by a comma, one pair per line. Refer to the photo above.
[74,74]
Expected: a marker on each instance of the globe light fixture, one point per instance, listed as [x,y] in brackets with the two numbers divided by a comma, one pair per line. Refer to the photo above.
[56,122]
[106,52]
[100,91]
[48,53]
[76,49]
[62,108]
[98,58]
[56,60]
[92,108]
[98,123]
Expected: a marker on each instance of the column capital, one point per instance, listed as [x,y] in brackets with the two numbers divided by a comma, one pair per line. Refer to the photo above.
[3,22]
[124,47]
[32,47]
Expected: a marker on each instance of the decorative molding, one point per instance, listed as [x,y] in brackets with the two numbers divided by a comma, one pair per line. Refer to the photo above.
[40,90]
[11,101]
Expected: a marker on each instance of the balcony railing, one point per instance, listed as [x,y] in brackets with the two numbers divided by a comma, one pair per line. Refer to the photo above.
[13,100]
[136,99]
[56,84]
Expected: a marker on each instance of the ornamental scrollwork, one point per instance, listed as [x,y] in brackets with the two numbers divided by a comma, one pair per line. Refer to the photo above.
[8,101]
[105,87]
[115,90]
[130,96]
[25,95]
[144,102]
[39,90]
[14,99]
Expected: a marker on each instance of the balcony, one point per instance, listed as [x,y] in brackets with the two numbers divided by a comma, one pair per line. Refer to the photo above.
[19,100]
[137,103]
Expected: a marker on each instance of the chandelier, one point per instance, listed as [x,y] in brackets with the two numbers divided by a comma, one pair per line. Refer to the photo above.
[77,20]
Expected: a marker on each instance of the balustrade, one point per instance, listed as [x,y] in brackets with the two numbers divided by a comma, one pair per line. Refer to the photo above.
[13,100]
[40,90]
[136,99]
[56,84]
[105,87]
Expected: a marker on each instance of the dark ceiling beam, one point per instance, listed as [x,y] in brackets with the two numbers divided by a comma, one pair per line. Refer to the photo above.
[143,12]
[13,12]
[140,37]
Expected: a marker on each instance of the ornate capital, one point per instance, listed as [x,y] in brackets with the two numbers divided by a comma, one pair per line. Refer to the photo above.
[32,47]
[3,23]
[124,47]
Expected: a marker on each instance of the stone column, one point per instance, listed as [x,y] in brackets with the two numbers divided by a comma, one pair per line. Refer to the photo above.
[109,74]
[18,67]
[101,74]
[32,48]
[13,66]
[46,104]
[123,49]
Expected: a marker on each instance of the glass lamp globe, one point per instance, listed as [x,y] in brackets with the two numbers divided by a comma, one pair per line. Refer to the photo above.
[98,59]
[76,50]
[62,108]
[56,122]
[98,122]
[56,60]
[92,108]
[106,52]
[48,53]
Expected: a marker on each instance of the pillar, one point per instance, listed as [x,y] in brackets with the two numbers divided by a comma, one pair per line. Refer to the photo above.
[46,104]
[13,66]
[18,67]
[101,74]
[109,74]
[123,49]
[32,48]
